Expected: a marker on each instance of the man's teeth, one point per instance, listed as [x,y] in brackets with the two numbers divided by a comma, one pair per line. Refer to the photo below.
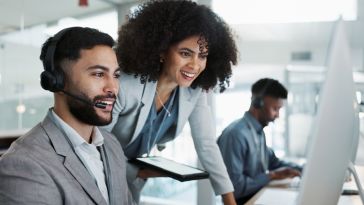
[190,75]
[107,102]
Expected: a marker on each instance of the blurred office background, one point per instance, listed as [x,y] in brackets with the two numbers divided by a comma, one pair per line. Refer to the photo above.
[283,39]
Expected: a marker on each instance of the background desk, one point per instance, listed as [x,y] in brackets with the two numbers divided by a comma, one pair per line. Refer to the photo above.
[344,200]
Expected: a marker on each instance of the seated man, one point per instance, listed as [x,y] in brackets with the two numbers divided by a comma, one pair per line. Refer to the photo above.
[66,159]
[250,163]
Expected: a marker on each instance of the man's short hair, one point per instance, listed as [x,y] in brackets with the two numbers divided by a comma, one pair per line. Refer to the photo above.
[73,41]
[269,87]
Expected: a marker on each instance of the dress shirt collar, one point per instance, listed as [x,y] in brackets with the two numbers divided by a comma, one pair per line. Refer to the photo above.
[257,126]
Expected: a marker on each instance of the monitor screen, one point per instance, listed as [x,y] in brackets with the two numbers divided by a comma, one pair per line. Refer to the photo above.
[335,129]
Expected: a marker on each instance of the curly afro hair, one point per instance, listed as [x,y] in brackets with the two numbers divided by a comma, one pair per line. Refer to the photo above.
[158,24]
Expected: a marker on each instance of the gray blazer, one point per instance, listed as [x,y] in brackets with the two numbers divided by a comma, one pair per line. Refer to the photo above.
[41,168]
[131,112]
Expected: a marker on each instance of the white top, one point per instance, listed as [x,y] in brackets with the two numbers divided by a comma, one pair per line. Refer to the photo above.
[88,153]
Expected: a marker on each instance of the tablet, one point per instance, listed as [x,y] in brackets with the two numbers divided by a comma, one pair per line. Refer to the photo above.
[175,170]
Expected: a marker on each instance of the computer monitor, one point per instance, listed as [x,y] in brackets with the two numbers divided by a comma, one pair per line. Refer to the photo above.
[335,129]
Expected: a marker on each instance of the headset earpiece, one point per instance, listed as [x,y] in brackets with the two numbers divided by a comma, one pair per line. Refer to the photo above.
[52,79]
[258,102]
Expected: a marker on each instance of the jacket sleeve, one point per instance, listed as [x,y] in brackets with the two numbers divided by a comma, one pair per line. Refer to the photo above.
[203,132]
[22,181]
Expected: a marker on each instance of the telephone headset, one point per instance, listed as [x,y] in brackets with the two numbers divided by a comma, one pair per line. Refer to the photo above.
[52,79]
[258,101]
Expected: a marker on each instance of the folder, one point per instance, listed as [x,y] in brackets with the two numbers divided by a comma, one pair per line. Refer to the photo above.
[170,168]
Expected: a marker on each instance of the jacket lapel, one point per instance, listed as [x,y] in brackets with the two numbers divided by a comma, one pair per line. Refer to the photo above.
[72,163]
[187,98]
[147,99]
[75,167]
[185,106]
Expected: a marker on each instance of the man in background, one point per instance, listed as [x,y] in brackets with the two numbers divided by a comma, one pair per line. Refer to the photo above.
[66,159]
[250,163]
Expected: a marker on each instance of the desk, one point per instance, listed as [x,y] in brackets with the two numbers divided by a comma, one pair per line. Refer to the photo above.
[285,191]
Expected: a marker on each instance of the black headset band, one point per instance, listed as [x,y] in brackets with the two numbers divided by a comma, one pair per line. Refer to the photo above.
[48,62]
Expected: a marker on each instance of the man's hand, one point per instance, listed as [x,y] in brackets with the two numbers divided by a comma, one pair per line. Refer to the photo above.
[228,199]
[283,173]
[149,173]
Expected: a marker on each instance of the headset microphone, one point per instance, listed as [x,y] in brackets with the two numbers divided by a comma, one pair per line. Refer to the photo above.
[101,105]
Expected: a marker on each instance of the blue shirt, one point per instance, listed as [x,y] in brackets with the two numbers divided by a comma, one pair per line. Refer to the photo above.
[242,154]
[155,127]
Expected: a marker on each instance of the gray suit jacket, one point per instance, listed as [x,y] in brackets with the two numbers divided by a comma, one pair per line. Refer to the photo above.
[131,112]
[41,168]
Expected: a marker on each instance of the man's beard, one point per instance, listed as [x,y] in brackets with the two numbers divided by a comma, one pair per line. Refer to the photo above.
[86,112]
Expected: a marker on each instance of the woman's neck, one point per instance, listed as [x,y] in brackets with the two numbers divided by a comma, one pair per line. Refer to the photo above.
[163,92]
[165,87]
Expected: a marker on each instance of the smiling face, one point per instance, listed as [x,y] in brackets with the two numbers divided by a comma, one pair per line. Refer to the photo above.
[94,78]
[184,61]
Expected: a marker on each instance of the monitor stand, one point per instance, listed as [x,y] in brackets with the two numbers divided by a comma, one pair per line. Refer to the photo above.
[357,180]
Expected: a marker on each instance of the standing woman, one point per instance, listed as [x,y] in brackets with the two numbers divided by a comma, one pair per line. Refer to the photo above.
[172,53]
